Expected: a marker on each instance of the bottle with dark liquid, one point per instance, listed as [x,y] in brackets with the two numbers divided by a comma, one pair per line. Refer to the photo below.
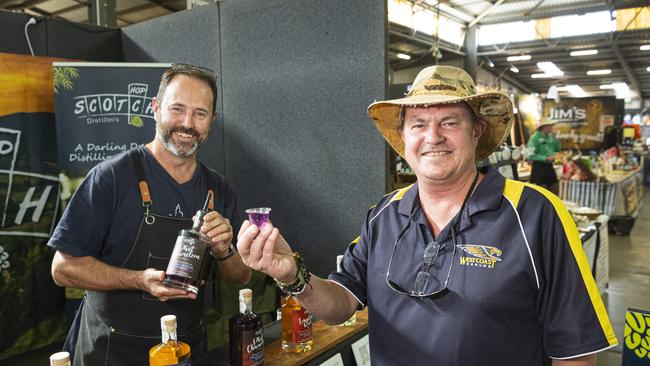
[296,326]
[246,334]
[170,352]
[186,265]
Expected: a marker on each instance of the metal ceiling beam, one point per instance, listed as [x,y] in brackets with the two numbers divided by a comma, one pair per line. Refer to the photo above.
[26,4]
[509,79]
[486,12]
[593,40]
[626,68]
[428,42]
[568,9]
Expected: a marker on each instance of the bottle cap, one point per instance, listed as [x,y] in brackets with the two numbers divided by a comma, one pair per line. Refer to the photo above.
[246,293]
[60,359]
[167,322]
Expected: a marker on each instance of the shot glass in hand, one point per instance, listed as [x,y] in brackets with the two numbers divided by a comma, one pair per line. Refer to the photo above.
[258,216]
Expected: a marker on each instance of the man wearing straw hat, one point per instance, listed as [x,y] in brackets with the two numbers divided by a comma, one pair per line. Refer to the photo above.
[463,267]
[544,148]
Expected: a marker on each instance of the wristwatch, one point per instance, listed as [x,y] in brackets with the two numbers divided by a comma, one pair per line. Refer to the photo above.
[297,285]
[231,252]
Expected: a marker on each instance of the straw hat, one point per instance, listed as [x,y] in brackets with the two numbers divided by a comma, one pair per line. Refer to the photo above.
[446,85]
[545,122]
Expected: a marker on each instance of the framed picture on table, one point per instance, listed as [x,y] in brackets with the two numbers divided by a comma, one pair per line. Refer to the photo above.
[361,351]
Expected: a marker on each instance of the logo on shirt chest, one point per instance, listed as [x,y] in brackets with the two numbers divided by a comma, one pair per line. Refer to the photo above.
[479,255]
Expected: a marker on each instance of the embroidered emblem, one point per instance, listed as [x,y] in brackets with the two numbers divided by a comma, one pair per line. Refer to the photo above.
[480,255]
[177,212]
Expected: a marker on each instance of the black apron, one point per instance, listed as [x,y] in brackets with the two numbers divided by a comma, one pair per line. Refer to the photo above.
[117,328]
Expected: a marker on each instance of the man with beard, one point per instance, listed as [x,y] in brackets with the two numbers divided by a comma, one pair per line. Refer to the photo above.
[117,234]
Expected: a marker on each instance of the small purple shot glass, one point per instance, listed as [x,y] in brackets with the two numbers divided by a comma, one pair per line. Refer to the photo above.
[258,216]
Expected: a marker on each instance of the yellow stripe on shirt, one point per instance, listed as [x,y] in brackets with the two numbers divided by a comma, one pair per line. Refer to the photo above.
[575,244]
[513,190]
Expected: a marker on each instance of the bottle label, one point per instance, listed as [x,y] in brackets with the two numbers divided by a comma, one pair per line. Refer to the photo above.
[187,258]
[252,348]
[301,322]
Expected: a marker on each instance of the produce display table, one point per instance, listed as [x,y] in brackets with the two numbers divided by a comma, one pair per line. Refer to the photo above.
[620,197]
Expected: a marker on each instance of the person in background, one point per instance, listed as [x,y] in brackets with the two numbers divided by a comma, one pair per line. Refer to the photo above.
[464,267]
[117,234]
[543,147]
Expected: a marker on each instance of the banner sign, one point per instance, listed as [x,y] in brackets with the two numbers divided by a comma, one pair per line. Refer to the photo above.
[636,346]
[581,121]
[31,310]
[102,109]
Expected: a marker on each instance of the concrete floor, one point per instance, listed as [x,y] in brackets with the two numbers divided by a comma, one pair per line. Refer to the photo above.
[629,286]
[629,279]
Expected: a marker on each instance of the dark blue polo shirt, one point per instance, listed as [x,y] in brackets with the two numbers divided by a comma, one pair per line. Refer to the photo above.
[519,287]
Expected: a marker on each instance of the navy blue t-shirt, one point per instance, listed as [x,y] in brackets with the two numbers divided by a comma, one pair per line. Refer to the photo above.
[103,217]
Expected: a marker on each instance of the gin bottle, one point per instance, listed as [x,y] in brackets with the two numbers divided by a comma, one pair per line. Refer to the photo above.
[296,326]
[188,260]
[170,351]
[246,334]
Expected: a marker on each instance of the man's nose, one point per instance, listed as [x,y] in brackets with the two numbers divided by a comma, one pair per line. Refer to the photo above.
[433,135]
[188,120]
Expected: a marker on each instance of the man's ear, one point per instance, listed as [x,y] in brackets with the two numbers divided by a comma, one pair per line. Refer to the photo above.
[155,104]
[479,128]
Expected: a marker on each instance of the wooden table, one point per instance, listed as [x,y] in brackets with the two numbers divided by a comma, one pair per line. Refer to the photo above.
[326,337]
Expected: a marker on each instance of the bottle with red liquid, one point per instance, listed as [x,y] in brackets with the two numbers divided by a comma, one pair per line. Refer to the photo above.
[187,263]
[246,334]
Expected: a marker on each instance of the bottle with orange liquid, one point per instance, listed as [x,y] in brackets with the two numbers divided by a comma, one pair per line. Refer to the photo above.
[296,326]
[170,352]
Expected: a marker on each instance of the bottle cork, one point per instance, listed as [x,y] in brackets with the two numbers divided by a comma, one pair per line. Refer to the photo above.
[168,322]
[60,359]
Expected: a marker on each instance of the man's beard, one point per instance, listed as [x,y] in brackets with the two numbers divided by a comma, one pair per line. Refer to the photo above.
[182,150]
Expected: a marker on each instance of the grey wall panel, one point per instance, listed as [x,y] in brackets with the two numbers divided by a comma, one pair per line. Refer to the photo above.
[298,77]
[12,29]
[55,38]
[190,36]
[83,41]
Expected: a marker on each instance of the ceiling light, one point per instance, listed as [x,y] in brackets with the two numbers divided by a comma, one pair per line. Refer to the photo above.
[645,47]
[648,68]
[622,90]
[514,69]
[583,53]
[403,56]
[518,58]
[541,76]
[489,62]
[549,68]
[607,87]
[599,72]
[576,91]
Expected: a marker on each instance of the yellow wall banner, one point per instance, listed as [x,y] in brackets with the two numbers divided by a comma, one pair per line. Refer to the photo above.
[636,346]
[581,121]
[31,311]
